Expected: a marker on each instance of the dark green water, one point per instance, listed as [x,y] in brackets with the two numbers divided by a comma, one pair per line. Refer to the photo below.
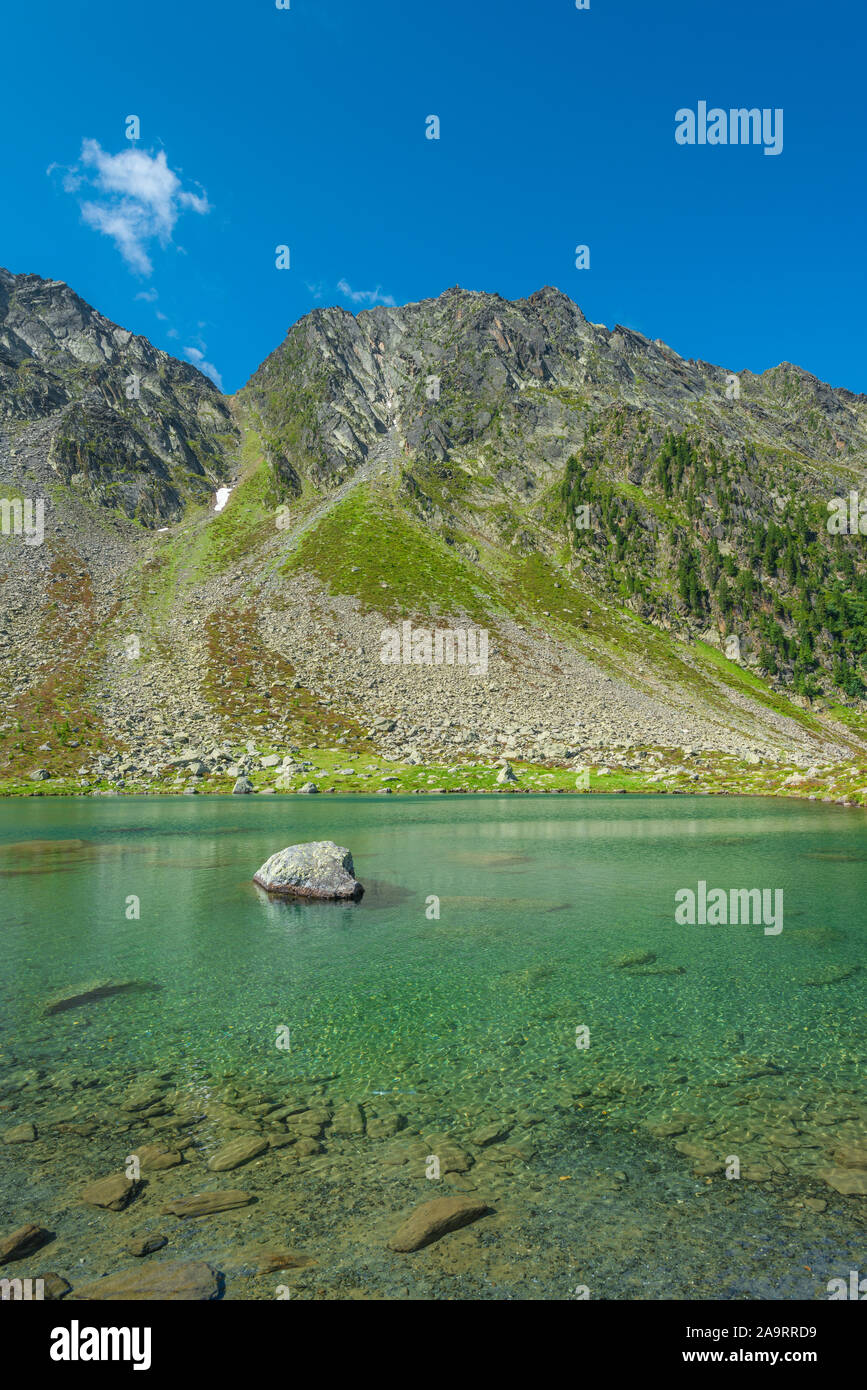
[752,1042]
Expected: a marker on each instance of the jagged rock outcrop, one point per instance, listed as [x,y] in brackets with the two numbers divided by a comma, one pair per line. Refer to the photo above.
[473,370]
[130,427]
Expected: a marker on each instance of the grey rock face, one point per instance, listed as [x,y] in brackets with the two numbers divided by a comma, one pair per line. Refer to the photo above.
[509,375]
[130,427]
[242,787]
[319,869]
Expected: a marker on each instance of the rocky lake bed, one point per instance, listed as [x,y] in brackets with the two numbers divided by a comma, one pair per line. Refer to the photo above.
[309,1192]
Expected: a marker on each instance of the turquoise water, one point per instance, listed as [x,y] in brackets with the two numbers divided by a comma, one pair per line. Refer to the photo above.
[752,1042]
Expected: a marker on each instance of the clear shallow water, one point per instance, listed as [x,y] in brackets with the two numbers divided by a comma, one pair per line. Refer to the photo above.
[472,1016]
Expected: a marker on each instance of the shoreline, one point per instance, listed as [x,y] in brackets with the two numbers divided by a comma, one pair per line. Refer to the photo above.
[843,785]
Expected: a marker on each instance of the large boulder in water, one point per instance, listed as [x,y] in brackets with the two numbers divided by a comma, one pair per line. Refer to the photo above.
[319,869]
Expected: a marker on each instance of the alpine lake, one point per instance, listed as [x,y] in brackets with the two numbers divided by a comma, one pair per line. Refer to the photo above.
[511,1013]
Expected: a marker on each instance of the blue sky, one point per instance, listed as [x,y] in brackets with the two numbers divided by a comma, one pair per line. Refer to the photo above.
[306,127]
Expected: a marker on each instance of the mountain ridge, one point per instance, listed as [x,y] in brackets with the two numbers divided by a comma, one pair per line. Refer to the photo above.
[599,503]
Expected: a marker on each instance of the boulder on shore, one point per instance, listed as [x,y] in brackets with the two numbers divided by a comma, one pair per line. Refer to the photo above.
[319,869]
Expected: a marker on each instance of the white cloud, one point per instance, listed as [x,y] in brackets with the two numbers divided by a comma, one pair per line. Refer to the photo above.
[365,296]
[72,180]
[198,360]
[148,295]
[136,199]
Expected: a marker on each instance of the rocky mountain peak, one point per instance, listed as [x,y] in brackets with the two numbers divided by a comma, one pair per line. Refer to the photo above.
[472,373]
[128,425]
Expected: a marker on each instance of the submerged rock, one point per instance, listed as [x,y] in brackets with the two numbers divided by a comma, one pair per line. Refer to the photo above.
[348,1119]
[206,1203]
[319,869]
[113,1193]
[849,1182]
[54,1287]
[265,1259]
[24,1241]
[851,1156]
[190,1281]
[154,1157]
[238,1151]
[20,1134]
[435,1219]
[103,990]
[492,1133]
[147,1245]
[633,958]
